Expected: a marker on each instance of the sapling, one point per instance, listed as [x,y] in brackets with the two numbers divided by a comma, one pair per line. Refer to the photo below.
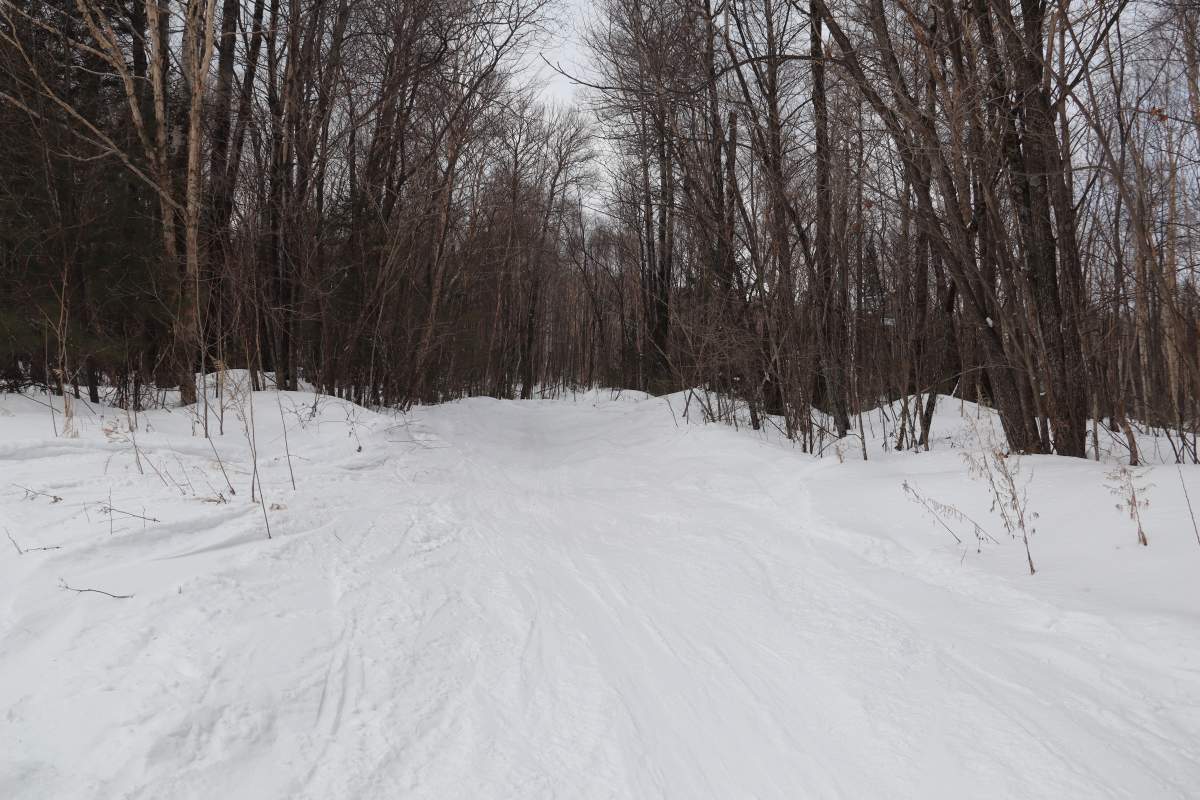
[1188,498]
[114,433]
[352,424]
[1001,471]
[69,431]
[222,374]
[1130,486]
[242,397]
[287,450]
[131,422]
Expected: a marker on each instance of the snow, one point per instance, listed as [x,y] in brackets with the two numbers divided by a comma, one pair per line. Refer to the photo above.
[580,598]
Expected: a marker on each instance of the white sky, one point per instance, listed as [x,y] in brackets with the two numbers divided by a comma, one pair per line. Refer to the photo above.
[562,47]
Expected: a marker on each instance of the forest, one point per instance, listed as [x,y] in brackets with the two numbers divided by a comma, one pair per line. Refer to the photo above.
[813,207]
[520,399]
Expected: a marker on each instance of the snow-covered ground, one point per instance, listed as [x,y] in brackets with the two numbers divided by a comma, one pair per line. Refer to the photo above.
[587,598]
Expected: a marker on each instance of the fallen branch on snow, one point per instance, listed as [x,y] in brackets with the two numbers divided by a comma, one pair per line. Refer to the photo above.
[62,584]
[23,550]
[105,508]
[33,494]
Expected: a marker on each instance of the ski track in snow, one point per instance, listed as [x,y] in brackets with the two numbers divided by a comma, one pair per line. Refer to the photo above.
[549,599]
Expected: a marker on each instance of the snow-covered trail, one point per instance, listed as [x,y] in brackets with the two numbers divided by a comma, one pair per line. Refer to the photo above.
[500,599]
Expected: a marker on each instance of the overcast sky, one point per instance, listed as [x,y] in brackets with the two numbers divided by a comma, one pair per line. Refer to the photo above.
[562,47]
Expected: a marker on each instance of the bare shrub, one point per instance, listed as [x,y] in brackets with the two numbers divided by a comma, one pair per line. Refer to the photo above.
[1130,486]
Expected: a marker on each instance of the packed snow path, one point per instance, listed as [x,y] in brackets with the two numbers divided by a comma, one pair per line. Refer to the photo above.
[553,599]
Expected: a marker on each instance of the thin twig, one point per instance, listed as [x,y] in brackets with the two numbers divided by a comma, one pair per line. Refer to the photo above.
[221,464]
[32,493]
[23,550]
[63,585]
[1188,498]
[108,509]
[912,492]
[262,501]
[286,448]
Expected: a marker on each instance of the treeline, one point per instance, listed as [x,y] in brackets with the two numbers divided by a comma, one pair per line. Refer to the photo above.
[797,203]
[348,192]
